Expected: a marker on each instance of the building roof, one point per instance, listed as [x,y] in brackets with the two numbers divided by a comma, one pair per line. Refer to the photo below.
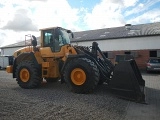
[20,44]
[151,29]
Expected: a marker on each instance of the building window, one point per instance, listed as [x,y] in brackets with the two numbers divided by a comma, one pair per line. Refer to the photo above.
[134,54]
[153,53]
[127,52]
[158,53]
[110,55]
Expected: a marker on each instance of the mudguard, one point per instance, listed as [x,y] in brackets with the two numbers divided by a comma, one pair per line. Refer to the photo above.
[24,56]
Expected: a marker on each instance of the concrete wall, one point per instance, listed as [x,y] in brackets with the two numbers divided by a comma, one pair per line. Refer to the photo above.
[138,43]
[9,51]
[141,46]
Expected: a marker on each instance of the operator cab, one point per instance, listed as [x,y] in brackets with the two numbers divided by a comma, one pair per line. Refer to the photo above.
[55,38]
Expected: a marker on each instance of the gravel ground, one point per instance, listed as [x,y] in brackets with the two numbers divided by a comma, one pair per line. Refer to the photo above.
[151,111]
[55,102]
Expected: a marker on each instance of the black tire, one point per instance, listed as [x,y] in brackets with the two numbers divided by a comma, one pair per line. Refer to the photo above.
[101,80]
[28,75]
[89,68]
[52,80]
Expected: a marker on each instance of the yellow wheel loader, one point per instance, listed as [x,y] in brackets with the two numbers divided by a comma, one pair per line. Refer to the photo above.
[82,68]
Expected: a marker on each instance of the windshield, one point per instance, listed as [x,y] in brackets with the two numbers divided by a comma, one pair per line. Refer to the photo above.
[63,37]
[155,61]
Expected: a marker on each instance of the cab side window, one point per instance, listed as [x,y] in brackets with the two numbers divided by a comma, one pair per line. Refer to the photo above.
[48,38]
[51,41]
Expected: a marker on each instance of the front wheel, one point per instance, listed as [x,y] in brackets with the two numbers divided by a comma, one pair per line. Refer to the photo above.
[28,75]
[82,75]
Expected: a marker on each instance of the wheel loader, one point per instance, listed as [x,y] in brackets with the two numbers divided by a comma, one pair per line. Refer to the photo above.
[82,68]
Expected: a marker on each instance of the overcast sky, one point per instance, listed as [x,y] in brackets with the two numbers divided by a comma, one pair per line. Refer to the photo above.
[21,17]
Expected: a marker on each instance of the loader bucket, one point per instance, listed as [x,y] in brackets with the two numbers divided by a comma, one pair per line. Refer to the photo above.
[127,81]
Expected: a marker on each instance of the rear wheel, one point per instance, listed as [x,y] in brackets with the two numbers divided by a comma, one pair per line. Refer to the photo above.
[27,75]
[82,75]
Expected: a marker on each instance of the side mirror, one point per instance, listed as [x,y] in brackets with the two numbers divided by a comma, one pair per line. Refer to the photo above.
[69,31]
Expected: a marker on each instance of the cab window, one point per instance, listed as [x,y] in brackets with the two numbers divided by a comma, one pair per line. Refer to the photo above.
[55,39]
[61,38]
[48,38]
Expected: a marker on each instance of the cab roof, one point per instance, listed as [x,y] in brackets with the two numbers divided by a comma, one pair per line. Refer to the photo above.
[49,28]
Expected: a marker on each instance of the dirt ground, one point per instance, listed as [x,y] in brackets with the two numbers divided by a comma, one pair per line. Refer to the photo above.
[55,102]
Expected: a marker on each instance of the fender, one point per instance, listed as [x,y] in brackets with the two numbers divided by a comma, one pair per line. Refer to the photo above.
[22,57]
[70,57]
[102,68]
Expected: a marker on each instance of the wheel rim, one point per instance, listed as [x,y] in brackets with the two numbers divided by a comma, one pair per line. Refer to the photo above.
[78,76]
[24,75]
